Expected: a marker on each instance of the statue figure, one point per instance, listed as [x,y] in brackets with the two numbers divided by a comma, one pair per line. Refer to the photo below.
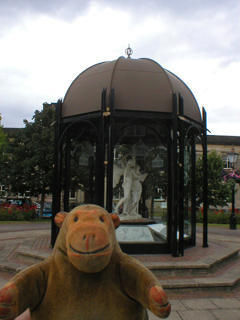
[132,188]
[136,189]
[127,185]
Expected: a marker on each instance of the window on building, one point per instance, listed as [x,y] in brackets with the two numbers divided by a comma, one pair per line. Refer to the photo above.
[72,195]
[227,164]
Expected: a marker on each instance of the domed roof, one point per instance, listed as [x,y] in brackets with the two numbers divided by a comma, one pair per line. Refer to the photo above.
[140,85]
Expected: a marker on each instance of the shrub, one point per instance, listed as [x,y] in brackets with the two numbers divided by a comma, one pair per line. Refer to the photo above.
[217,216]
[12,213]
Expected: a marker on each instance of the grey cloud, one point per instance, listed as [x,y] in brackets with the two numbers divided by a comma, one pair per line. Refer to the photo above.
[65,9]
[16,8]
[203,32]
[14,12]
[205,28]
[183,8]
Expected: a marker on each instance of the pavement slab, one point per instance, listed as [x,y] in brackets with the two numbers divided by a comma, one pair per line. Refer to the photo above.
[227,303]
[173,316]
[199,304]
[177,305]
[197,315]
[225,314]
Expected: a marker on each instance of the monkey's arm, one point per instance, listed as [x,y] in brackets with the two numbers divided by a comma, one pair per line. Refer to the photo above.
[141,285]
[23,291]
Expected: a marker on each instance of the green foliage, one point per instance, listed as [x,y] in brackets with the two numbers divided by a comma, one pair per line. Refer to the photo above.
[28,158]
[3,145]
[219,191]
[3,138]
[217,217]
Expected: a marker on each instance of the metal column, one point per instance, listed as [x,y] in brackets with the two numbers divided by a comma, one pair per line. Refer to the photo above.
[110,133]
[102,148]
[67,173]
[57,162]
[193,189]
[205,181]
[181,177]
[174,163]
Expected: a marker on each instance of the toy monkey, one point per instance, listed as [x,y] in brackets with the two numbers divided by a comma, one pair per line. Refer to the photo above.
[87,276]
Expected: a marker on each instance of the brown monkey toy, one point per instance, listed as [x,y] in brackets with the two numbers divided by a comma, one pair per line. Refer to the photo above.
[87,277]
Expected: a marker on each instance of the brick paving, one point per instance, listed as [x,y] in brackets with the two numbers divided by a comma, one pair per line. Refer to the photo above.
[42,243]
[190,254]
[26,245]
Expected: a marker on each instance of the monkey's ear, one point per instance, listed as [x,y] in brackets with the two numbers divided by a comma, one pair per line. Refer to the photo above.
[116,220]
[59,218]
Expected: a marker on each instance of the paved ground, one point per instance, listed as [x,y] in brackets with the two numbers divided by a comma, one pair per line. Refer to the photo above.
[207,305]
[32,240]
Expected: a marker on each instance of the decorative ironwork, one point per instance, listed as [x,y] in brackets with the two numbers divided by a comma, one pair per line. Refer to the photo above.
[140,149]
[187,163]
[107,112]
[83,161]
[87,152]
[129,51]
[157,162]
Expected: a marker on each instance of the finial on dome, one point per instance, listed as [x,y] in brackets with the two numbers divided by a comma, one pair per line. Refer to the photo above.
[129,51]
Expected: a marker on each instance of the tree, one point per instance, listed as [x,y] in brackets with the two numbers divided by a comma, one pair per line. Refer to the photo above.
[29,166]
[3,144]
[3,137]
[219,191]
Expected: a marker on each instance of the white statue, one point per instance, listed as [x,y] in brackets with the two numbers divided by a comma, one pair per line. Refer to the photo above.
[127,185]
[136,190]
[132,188]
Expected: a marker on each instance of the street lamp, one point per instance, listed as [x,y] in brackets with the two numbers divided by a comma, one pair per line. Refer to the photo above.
[232,157]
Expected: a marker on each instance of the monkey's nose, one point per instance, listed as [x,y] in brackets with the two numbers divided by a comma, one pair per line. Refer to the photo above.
[89,239]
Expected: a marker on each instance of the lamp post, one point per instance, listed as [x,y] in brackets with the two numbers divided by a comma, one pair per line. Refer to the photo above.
[232,156]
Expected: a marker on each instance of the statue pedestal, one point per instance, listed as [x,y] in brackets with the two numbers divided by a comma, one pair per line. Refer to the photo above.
[126,216]
[140,221]
[139,231]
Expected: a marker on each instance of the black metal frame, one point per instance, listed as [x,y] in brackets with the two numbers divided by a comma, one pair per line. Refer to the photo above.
[177,128]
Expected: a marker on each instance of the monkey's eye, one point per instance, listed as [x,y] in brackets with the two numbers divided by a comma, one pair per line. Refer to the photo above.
[101,219]
[75,219]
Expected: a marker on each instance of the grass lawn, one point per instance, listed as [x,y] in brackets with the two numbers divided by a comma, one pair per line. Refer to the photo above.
[217,225]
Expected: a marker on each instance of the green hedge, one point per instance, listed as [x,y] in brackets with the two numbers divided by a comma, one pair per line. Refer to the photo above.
[14,214]
[217,217]
[214,216]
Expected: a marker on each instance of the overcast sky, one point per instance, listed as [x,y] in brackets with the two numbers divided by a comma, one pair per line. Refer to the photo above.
[45,44]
